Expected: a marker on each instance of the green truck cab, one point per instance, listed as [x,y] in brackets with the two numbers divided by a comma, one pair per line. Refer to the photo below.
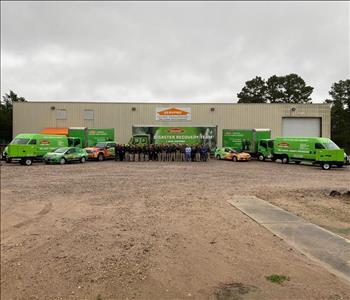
[315,150]
[27,148]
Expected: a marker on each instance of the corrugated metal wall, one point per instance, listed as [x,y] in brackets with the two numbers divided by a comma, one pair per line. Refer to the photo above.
[30,117]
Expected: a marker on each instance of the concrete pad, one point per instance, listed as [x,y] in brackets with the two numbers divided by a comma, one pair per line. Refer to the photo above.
[321,245]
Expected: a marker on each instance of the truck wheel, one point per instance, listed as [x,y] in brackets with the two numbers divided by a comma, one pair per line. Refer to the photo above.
[261,157]
[326,166]
[297,162]
[8,160]
[100,157]
[27,161]
[83,159]
[340,165]
[234,158]
[62,161]
[285,159]
[218,157]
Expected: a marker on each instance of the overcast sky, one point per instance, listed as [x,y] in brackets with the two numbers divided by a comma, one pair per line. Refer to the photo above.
[172,51]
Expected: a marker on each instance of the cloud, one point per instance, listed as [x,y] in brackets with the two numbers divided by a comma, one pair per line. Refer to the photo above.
[171,51]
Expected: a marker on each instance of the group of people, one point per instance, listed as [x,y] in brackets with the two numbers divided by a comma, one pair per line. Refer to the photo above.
[162,152]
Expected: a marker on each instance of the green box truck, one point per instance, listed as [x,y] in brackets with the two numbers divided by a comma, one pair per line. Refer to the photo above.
[246,140]
[82,136]
[28,147]
[315,150]
[98,135]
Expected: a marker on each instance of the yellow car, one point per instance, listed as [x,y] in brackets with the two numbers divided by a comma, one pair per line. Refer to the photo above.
[237,156]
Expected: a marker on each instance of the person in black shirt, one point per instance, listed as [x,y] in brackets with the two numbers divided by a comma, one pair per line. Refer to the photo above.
[193,153]
[146,150]
[121,150]
[116,152]
[159,152]
[132,152]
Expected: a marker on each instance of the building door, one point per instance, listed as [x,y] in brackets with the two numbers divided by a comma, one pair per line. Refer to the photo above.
[304,127]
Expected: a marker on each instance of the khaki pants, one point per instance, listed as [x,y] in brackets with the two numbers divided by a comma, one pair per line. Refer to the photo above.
[172,156]
[136,157]
[159,155]
[198,157]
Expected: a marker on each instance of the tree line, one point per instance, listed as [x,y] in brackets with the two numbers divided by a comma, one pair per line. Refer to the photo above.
[6,116]
[290,88]
[293,89]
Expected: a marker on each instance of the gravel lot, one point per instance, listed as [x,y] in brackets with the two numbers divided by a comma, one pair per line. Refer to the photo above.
[149,230]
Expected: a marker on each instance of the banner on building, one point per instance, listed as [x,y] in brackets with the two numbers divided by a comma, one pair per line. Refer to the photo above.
[179,135]
[173,114]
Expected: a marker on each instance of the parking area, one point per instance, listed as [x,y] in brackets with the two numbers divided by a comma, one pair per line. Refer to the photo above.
[163,230]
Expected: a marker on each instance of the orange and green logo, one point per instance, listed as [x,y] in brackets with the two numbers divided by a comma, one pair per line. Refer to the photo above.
[283,145]
[173,112]
[176,130]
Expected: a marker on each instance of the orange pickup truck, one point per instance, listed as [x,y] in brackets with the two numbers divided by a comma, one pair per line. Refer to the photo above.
[101,151]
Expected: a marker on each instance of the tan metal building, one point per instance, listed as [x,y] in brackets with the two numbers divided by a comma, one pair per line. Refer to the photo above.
[282,119]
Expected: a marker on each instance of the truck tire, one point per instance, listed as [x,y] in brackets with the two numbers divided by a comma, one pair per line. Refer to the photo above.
[8,160]
[261,157]
[285,159]
[100,157]
[27,161]
[297,162]
[326,166]
[234,158]
[62,161]
[82,160]
[218,157]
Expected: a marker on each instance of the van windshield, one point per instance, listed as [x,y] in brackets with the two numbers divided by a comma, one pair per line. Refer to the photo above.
[60,150]
[331,146]
[19,141]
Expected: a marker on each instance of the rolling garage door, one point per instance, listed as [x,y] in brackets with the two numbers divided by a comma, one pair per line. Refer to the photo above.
[301,127]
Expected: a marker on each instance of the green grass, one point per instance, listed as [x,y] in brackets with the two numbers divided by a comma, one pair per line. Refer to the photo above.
[275,278]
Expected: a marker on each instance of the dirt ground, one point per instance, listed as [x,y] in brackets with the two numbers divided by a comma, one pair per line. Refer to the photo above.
[149,230]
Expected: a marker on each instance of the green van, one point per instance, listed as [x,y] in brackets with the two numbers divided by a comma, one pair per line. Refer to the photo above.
[316,150]
[27,148]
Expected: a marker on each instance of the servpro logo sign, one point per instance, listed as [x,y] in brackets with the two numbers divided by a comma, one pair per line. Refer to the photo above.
[283,145]
[175,130]
[44,142]
[173,113]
